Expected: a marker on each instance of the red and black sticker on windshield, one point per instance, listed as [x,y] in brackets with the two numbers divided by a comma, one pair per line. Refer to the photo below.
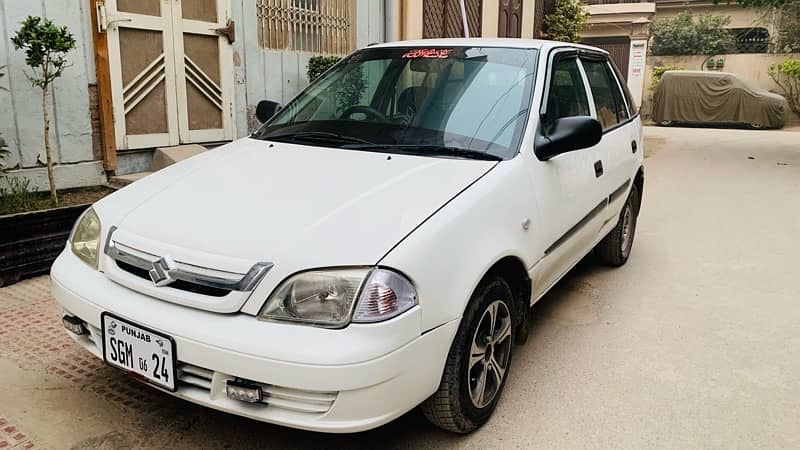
[430,53]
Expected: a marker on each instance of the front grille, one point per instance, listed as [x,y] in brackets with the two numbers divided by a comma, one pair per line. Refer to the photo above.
[296,400]
[177,284]
[179,274]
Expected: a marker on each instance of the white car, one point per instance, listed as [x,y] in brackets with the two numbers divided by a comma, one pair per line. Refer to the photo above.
[375,246]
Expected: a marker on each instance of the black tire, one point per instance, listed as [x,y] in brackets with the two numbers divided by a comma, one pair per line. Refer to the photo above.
[615,249]
[665,123]
[452,407]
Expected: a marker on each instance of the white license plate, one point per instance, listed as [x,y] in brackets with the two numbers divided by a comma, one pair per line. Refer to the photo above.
[140,351]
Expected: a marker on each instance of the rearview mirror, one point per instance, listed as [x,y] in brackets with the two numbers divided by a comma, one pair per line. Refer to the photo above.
[266,109]
[568,134]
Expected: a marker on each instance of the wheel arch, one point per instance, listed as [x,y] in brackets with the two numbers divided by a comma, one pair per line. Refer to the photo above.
[638,181]
[513,271]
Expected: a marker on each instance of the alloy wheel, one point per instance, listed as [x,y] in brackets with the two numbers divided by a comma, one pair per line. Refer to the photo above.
[489,354]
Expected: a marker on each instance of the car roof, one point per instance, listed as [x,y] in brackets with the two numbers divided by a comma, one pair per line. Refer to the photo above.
[538,44]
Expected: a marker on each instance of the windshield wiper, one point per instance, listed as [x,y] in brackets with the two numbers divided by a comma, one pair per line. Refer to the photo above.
[428,150]
[318,136]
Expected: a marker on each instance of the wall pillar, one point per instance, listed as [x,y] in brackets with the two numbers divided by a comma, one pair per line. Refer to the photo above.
[637,59]
[528,19]
[412,19]
[636,65]
[490,18]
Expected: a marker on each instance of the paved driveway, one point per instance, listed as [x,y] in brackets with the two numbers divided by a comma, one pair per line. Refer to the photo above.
[694,344]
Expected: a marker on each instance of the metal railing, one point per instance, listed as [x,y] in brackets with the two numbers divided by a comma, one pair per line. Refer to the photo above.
[318,26]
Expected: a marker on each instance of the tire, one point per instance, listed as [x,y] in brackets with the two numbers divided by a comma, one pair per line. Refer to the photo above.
[458,406]
[615,248]
[757,126]
[665,123]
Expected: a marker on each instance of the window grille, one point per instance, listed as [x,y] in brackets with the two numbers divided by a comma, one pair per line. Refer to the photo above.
[750,40]
[318,26]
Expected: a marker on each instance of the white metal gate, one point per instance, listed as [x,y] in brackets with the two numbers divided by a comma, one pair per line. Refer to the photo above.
[171,71]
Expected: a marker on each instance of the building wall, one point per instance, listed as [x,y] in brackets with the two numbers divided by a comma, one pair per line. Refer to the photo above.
[264,74]
[21,122]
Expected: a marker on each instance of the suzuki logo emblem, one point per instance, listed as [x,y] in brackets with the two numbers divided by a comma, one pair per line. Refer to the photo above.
[161,273]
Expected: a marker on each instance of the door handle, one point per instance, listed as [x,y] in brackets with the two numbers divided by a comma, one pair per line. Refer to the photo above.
[598,169]
[634,146]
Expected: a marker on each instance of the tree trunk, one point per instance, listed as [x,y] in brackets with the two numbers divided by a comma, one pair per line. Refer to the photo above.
[50,175]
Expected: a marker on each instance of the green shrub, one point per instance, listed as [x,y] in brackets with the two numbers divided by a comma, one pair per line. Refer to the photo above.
[18,196]
[787,76]
[683,35]
[658,72]
[317,65]
[566,21]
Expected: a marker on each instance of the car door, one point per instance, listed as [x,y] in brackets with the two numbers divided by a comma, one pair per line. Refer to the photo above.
[567,186]
[621,137]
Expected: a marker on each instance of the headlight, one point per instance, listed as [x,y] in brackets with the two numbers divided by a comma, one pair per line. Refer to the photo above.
[327,298]
[85,238]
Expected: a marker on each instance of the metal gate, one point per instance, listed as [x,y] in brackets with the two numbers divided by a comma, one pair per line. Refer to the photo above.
[619,47]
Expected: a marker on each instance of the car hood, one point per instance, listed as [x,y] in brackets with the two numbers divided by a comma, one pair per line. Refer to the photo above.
[298,207]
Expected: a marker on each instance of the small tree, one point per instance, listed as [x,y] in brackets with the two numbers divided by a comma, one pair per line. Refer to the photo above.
[682,35]
[46,46]
[566,21]
[787,76]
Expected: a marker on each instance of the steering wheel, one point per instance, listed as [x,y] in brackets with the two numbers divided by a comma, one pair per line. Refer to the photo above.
[367,111]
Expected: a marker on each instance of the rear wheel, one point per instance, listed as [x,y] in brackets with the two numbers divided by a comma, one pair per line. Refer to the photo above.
[615,248]
[756,126]
[477,366]
[665,123]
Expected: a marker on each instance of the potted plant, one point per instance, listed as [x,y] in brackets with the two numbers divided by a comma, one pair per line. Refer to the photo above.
[33,228]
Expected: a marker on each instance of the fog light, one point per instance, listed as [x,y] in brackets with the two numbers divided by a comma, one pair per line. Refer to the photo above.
[74,325]
[244,392]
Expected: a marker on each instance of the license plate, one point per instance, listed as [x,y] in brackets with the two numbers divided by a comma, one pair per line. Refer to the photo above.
[140,351]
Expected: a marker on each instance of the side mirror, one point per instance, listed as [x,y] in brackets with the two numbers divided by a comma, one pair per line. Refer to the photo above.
[266,109]
[568,134]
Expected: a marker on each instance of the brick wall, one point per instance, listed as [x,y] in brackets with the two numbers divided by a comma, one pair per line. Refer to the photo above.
[97,133]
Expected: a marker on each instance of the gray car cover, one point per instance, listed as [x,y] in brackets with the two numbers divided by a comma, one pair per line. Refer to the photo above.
[715,97]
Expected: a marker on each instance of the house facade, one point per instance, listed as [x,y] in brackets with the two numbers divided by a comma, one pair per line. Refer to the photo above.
[160,73]
[621,27]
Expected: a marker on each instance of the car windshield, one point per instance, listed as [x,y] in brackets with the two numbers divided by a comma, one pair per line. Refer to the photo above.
[464,102]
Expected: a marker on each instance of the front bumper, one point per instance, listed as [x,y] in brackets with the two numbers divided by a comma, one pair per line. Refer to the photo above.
[343,381]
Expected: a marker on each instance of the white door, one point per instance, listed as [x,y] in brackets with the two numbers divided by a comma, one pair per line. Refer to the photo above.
[203,63]
[171,72]
[569,184]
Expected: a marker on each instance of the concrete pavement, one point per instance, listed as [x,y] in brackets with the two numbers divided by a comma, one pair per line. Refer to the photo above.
[694,344]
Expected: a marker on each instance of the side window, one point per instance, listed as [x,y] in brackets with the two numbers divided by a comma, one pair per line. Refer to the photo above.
[608,99]
[567,96]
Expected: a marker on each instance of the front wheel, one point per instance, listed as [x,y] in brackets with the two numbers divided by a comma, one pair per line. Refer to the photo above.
[478,363]
[615,248]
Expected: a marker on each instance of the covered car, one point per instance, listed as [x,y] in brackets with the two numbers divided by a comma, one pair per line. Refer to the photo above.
[715,98]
